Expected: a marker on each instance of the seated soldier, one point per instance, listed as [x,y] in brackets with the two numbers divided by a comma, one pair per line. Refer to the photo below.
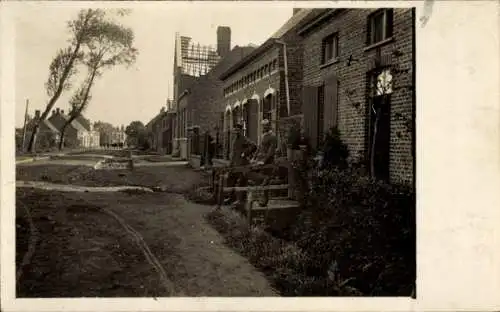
[264,156]
[242,148]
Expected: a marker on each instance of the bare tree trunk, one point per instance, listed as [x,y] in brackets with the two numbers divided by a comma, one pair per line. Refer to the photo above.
[32,143]
[61,139]
[78,112]
[60,87]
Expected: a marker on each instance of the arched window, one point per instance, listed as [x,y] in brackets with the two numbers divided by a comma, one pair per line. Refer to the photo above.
[267,107]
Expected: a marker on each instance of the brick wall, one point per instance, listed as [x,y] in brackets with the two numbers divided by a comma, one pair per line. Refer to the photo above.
[351,26]
[203,104]
[294,55]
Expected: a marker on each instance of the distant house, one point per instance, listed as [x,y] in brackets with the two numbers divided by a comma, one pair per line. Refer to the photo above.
[76,134]
[48,134]
[114,136]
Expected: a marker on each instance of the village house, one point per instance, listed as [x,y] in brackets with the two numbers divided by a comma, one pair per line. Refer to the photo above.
[198,90]
[76,133]
[160,129]
[358,72]
[266,84]
[115,137]
[48,135]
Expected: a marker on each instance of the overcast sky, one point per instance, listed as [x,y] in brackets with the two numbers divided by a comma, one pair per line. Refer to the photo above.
[123,95]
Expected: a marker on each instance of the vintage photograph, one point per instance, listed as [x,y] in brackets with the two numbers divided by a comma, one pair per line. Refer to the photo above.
[214,151]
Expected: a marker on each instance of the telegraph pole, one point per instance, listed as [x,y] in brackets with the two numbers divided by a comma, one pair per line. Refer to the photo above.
[24,125]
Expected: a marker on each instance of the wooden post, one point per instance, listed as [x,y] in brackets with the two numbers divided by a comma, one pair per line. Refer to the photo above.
[131,161]
[24,125]
[220,190]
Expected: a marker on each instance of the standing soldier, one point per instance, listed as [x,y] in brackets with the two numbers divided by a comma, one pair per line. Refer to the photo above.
[265,156]
[241,149]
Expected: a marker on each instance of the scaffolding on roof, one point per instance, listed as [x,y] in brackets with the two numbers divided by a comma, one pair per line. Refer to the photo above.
[196,59]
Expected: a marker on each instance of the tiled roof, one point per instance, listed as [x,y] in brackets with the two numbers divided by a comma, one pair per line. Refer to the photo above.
[74,123]
[50,126]
[46,123]
[84,122]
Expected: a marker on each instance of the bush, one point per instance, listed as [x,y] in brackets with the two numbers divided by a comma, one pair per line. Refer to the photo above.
[286,265]
[367,227]
[335,152]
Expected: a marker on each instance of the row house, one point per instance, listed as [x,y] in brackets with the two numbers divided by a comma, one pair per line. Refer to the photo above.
[266,84]
[79,133]
[160,130]
[153,130]
[198,91]
[358,74]
[48,135]
[115,136]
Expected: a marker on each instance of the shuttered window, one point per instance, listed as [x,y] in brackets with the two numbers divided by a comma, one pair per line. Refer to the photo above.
[253,119]
[331,102]
[309,108]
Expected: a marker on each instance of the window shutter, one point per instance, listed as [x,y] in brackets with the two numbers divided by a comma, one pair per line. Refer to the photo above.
[309,107]
[331,102]
[253,106]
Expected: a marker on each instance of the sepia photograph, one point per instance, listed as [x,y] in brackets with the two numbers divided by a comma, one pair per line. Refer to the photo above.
[179,152]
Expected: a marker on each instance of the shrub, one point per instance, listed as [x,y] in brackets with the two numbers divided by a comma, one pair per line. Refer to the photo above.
[285,264]
[335,152]
[366,226]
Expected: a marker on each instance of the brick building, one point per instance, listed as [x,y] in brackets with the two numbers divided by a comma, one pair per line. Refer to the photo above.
[48,135]
[266,84]
[79,133]
[198,93]
[358,64]
[160,129]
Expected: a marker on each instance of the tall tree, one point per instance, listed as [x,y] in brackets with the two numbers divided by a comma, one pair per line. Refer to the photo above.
[136,133]
[63,66]
[110,45]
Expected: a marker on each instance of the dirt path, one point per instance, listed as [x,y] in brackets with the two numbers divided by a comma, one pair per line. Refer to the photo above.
[94,249]
[202,264]
[78,188]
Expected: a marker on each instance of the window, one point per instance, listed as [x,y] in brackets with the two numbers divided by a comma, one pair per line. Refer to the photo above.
[383,83]
[380,26]
[330,48]
[275,64]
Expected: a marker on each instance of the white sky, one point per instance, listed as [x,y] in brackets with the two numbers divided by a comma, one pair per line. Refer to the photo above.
[123,95]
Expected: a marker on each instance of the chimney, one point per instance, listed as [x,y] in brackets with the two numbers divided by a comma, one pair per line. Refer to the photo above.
[296,10]
[223,40]
[37,114]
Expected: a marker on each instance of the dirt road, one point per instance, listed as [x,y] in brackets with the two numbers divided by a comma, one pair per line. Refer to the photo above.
[85,252]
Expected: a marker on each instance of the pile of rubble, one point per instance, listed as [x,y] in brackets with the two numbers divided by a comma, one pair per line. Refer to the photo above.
[115,163]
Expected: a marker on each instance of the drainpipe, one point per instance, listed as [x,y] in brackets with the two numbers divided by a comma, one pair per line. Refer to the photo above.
[287,89]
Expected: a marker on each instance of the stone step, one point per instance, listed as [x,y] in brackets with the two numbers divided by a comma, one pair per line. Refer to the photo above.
[277,204]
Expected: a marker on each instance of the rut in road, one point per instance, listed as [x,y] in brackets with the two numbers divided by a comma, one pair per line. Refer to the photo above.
[143,246]
[150,257]
[33,240]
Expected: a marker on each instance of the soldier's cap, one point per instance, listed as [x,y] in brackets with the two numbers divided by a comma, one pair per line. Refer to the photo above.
[265,122]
